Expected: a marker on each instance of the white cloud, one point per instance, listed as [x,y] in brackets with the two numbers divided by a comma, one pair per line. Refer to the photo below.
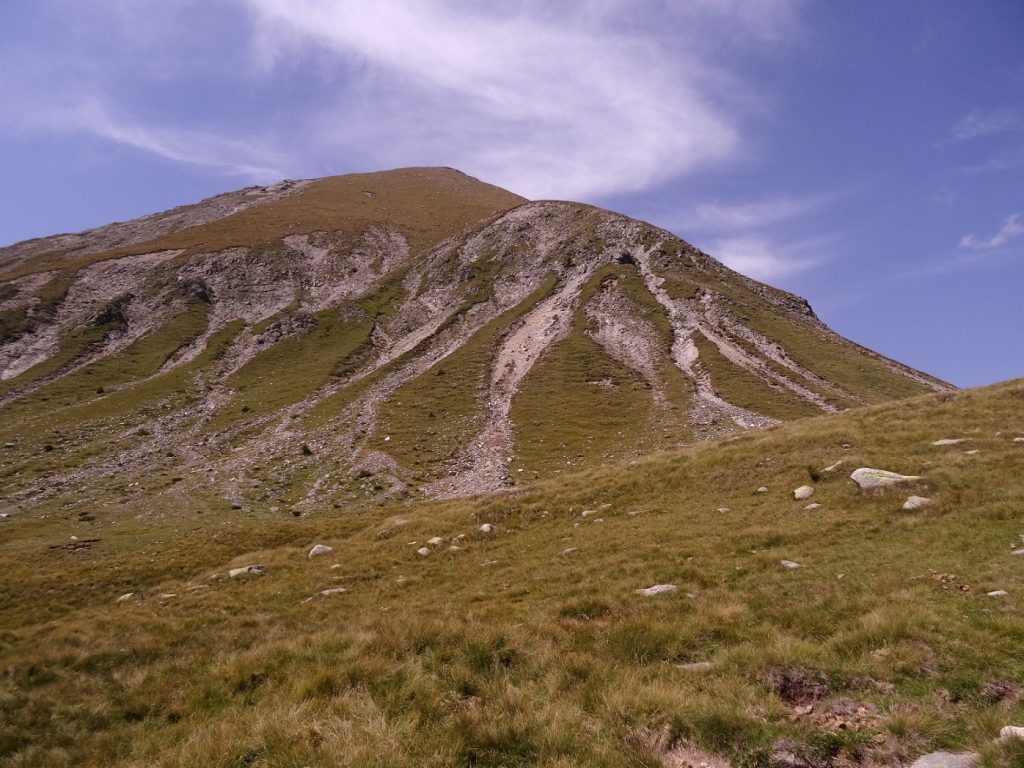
[571,100]
[1012,227]
[762,259]
[753,215]
[975,125]
[561,100]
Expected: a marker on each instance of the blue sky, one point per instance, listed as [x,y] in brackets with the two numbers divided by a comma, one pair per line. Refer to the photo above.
[866,155]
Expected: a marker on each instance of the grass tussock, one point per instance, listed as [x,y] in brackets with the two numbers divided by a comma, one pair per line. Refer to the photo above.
[529,646]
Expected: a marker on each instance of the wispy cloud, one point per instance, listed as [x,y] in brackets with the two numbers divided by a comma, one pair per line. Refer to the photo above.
[760,238]
[762,258]
[550,100]
[561,100]
[755,215]
[1012,227]
[977,124]
[234,157]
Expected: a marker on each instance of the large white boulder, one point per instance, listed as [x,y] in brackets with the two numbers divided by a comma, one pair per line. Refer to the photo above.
[319,549]
[866,477]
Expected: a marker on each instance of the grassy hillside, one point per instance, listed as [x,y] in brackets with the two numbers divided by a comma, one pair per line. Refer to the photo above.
[528,645]
[427,204]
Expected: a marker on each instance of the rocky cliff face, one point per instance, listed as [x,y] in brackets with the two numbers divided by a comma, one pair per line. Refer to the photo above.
[414,332]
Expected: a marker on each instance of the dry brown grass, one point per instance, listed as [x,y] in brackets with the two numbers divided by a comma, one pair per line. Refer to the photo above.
[508,652]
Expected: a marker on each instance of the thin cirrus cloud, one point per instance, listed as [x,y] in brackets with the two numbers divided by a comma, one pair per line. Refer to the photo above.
[545,102]
[764,258]
[978,124]
[754,215]
[550,100]
[1012,227]
[757,237]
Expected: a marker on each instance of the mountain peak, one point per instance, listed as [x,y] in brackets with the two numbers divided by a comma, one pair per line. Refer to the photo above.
[404,333]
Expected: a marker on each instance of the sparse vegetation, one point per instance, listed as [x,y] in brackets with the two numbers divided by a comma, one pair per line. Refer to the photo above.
[540,657]
[503,629]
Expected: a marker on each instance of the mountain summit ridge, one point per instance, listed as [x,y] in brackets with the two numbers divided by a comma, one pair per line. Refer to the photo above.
[410,332]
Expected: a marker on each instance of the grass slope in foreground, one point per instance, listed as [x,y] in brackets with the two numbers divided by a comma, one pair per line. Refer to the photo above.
[529,646]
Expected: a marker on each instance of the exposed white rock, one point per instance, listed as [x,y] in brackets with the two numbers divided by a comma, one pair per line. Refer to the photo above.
[588,512]
[790,564]
[724,510]
[319,549]
[569,550]
[866,477]
[916,502]
[950,441]
[998,593]
[803,492]
[423,551]
[335,566]
[975,452]
[126,597]
[487,528]
[1011,732]
[813,505]
[946,760]
[434,541]
[832,467]
[1018,439]
[333,591]
[1018,552]
[657,589]
[247,570]
[762,489]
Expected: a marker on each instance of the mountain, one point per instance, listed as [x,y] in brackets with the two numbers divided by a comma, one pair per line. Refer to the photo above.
[403,470]
[400,334]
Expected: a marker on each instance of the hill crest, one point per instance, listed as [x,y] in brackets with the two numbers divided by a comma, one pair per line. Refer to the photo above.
[412,332]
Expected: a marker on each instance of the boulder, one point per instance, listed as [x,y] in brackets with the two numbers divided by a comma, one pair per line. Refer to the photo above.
[946,760]
[487,528]
[319,549]
[423,551]
[997,593]
[916,502]
[866,477]
[790,564]
[1018,439]
[1011,732]
[657,589]
[435,541]
[803,492]
[1018,552]
[247,570]
[762,489]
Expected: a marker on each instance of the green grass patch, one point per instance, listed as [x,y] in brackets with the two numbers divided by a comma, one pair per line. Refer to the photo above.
[433,418]
[747,390]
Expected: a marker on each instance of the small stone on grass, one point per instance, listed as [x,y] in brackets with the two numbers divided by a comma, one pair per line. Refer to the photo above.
[657,589]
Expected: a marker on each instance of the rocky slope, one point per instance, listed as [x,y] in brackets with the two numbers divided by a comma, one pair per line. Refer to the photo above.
[414,332]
